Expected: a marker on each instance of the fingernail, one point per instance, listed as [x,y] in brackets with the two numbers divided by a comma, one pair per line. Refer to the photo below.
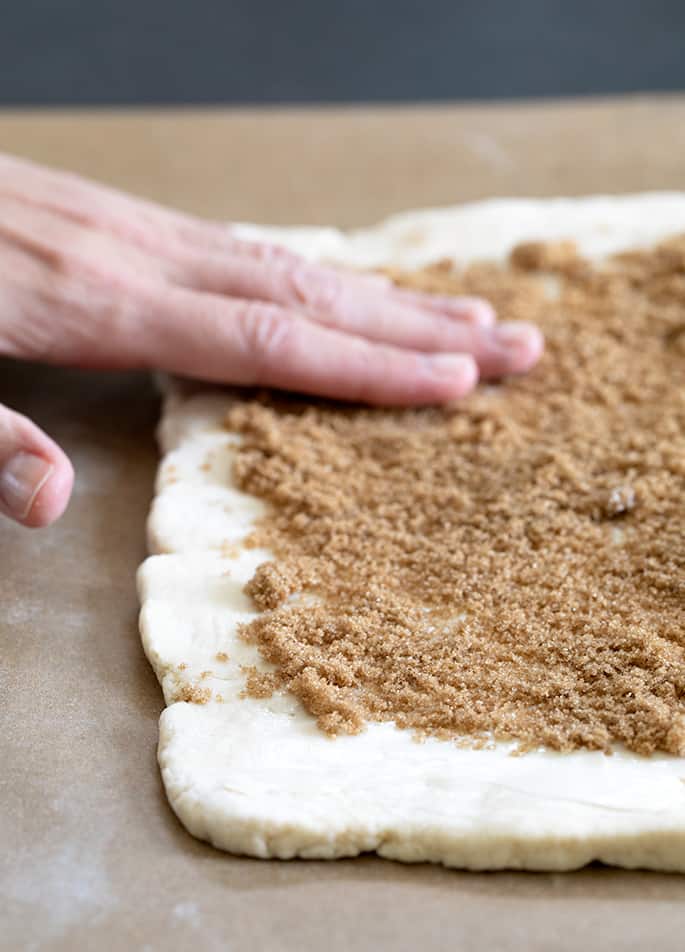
[21,479]
[482,312]
[523,342]
[515,334]
[451,365]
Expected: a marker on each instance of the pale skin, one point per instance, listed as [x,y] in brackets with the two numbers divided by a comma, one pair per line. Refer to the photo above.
[90,277]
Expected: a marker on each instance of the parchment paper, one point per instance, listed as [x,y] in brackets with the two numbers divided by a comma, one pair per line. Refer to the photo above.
[90,854]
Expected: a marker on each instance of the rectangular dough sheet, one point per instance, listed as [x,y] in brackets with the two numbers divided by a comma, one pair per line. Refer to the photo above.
[257,776]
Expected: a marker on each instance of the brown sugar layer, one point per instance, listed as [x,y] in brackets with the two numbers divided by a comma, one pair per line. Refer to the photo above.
[508,567]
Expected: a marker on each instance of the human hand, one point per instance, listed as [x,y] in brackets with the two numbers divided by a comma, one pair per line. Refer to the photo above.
[90,277]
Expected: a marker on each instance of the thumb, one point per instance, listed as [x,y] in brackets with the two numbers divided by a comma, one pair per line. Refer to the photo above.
[35,475]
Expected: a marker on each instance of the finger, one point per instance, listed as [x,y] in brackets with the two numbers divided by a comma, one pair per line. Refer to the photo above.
[172,234]
[36,477]
[143,223]
[354,305]
[250,343]
[461,307]
[365,311]
[472,309]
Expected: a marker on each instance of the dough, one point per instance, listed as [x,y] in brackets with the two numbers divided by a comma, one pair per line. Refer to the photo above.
[257,776]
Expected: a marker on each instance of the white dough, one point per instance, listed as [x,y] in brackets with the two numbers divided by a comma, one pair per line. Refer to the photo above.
[257,776]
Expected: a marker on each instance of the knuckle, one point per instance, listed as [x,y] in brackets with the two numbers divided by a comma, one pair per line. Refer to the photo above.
[67,268]
[97,314]
[265,330]
[67,273]
[272,254]
[316,289]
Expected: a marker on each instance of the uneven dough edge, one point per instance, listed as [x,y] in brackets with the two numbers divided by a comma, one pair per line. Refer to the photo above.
[252,825]
[230,802]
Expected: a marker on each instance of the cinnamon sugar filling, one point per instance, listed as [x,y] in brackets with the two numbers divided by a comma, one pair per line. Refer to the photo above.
[509,567]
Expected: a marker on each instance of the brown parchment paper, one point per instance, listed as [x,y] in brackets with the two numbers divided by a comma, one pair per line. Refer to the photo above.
[91,857]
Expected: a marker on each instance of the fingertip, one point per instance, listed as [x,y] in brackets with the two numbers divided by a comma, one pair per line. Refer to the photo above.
[535,347]
[52,497]
[453,376]
[36,477]
[471,310]
[35,486]
[476,310]
[524,342]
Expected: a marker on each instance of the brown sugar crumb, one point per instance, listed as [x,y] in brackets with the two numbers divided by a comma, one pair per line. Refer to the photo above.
[193,694]
[261,684]
[559,256]
[676,736]
[271,585]
[221,656]
[182,666]
[512,566]
[170,475]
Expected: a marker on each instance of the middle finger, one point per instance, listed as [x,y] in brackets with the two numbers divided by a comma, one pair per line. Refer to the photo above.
[366,310]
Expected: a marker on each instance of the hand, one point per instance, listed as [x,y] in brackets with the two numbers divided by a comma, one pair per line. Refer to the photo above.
[93,278]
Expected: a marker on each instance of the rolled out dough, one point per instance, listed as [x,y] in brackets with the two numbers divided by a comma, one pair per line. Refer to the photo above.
[257,776]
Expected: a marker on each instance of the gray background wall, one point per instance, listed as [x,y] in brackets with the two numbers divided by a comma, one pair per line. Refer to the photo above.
[249,51]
